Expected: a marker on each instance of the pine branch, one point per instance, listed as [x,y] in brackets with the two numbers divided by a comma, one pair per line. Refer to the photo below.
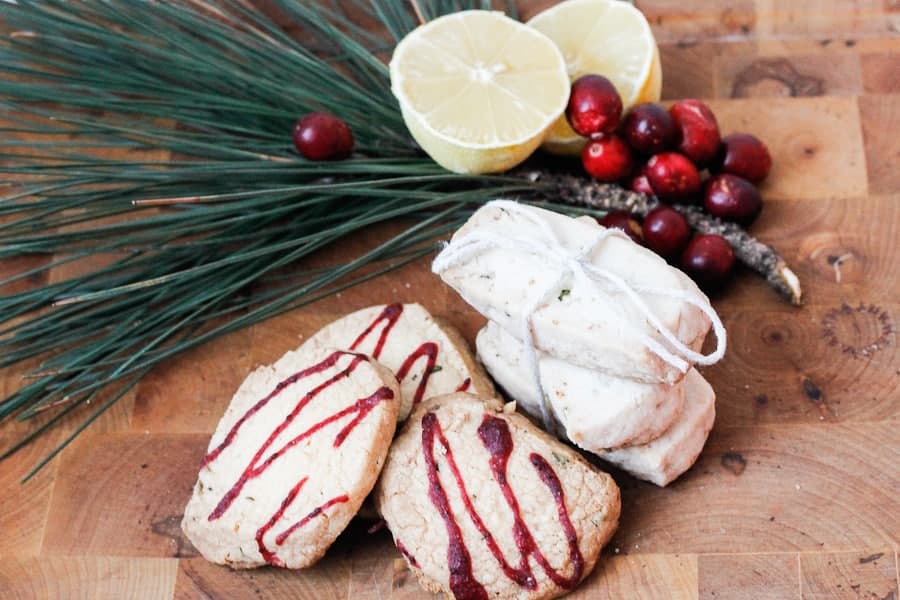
[606,197]
[212,88]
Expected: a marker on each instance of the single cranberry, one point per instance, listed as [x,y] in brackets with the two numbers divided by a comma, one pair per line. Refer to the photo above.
[322,136]
[744,155]
[607,158]
[594,106]
[649,129]
[699,130]
[732,198]
[619,219]
[640,184]
[708,259]
[673,177]
[666,231]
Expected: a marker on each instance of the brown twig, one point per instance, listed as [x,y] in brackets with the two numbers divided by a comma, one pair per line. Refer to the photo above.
[418,10]
[763,259]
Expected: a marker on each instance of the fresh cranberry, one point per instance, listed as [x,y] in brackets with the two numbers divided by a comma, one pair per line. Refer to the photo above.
[744,155]
[594,106]
[732,198]
[666,231]
[639,183]
[625,221]
[708,259]
[607,158]
[673,177]
[322,136]
[649,129]
[699,130]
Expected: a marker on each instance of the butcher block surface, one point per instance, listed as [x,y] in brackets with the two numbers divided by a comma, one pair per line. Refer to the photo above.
[797,494]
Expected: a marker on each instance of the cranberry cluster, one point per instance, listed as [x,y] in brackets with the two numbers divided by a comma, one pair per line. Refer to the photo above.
[667,153]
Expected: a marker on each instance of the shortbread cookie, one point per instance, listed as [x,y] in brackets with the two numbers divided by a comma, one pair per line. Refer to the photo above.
[664,459]
[428,356]
[590,295]
[483,504]
[297,451]
[594,410]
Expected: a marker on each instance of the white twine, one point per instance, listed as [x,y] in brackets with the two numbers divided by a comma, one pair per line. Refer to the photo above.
[576,265]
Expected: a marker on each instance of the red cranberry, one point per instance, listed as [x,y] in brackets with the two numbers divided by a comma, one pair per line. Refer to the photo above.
[673,177]
[625,221]
[699,130]
[732,198]
[607,158]
[649,129]
[640,184]
[744,155]
[594,106]
[666,231]
[321,136]
[708,259]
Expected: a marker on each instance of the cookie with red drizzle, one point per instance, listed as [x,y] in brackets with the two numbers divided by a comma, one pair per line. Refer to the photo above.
[298,450]
[491,506]
[428,356]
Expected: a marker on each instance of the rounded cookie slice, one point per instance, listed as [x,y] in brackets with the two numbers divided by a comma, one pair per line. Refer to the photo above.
[298,450]
[483,504]
[428,356]
[666,458]
[594,410]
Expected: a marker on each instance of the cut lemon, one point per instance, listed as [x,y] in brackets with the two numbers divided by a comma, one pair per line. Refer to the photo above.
[478,90]
[603,37]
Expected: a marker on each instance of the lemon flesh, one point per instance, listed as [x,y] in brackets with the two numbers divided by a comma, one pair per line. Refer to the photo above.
[478,90]
[603,37]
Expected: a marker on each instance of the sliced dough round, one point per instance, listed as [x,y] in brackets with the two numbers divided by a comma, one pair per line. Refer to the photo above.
[666,458]
[428,356]
[298,450]
[594,410]
[482,503]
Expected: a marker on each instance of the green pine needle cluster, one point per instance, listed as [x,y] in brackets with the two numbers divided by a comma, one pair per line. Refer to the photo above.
[199,96]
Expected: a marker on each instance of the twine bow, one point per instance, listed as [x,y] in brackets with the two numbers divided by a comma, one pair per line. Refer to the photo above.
[576,265]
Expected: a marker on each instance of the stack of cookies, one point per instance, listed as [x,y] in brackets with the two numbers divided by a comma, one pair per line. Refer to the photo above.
[590,333]
[463,487]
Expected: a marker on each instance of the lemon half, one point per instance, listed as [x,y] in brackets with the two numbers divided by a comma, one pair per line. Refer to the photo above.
[478,90]
[603,37]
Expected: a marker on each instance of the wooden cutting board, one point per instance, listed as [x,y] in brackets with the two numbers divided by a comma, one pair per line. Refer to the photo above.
[797,493]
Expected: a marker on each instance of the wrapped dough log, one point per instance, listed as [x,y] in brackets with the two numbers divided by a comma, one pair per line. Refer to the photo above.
[580,292]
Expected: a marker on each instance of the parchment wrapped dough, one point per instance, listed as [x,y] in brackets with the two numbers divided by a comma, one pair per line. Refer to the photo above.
[523,254]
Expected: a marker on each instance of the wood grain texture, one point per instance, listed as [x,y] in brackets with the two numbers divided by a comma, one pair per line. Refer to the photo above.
[797,494]
[190,394]
[759,576]
[880,117]
[774,488]
[881,72]
[643,577]
[867,574]
[123,494]
[88,577]
[814,137]
[24,508]
[820,74]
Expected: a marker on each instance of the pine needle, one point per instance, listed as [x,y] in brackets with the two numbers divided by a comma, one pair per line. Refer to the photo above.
[156,135]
